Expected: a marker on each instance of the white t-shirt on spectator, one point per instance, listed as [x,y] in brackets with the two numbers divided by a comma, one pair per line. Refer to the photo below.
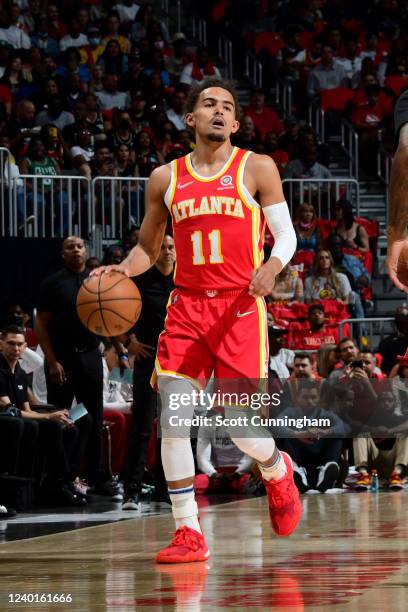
[177,120]
[108,100]
[186,75]
[319,288]
[280,362]
[16,37]
[87,154]
[31,360]
[126,13]
[67,41]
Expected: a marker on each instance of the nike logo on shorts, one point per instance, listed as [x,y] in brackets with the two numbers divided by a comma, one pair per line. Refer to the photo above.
[244,314]
[179,186]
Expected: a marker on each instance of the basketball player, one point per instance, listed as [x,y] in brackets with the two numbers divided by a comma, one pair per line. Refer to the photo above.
[397,253]
[216,318]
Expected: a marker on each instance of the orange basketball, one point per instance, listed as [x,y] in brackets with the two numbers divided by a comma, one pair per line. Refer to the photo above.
[109,305]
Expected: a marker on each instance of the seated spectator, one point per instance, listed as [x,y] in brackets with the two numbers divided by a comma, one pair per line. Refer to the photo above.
[354,235]
[135,78]
[247,136]
[74,91]
[279,156]
[113,61]
[122,132]
[326,75]
[71,64]
[124,165]
[367,75]
[199,69]
[18,315]
[351,61]
[396,344]
[74,38]
[41,39]
[318,333]
[316,461]
[138,111]
[94,119]
[370,364]
[325,283]
[57,436]
[55,146]
[326,359]
[112,26]
[56,28]
[13,77]
[176,111]
[347,352]
[147,156]
[157,92]
[55,115]
[288,286]
[307,166]
[127,11]
[388,456]
[92,263]
[308,234]
[265,118]
[49,89]
[280,358]
[113,255]
[156,64]
[109,97]
[289,140]
[12,34]
[83,152]
[303,369]
[97,78]
[179,58]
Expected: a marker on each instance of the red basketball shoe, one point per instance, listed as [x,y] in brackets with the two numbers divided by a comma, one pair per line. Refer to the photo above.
[188,545]
[285,508]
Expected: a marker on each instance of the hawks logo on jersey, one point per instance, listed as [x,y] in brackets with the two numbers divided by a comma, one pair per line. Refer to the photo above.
[218,227]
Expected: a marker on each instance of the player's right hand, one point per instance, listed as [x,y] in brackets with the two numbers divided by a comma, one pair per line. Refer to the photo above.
[394,254]
[140,350]
[57,373]
[106,269]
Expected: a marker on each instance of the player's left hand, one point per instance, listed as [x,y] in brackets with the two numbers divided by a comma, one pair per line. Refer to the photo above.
[262,281]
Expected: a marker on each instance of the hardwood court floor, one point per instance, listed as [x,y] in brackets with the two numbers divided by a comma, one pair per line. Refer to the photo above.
[350,553]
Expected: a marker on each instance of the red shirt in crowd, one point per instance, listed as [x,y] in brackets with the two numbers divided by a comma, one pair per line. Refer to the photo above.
[266,121]
[309,340]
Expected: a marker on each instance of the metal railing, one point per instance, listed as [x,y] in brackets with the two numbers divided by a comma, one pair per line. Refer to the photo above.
[283,96]
[225,52]
[199,30]
[372,326]
[322,193]
[7,222]
[349,143]
[117,203]
[316,120]
[254,70]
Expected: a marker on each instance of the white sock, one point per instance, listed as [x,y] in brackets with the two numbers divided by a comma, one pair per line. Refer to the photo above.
[276,471]
[184,507]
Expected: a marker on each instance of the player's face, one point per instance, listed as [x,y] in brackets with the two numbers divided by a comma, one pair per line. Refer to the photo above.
[213,117]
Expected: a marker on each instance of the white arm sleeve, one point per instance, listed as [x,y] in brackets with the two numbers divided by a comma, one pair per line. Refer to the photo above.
[278,219]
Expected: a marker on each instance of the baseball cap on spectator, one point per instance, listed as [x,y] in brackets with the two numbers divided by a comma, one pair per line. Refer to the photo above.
[276,330]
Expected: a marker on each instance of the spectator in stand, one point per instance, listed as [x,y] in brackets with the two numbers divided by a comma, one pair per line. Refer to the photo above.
[325,283]
[49,89]
[112,26]
[5,55]
[97,78]
[55,146]
[135,78]
[265,118]
[127,11]
[316,461]
[41,39]
[112,256]
[82,152]
[307,166]
[351,266]
[92,263]
[71,64]
[309,237]
[55,114]
[156,64]
[326,359]
[146,23]
[176,111]
[280,358]
[18,315]
[22,128]
[98,163]
[370,46]
[397,344]
[370,364]
[248,136]
[122,132]
[289,140]
[32,15]
[147,156]
[180,57]
[389,456]
[74,38]
[288,286]
[13,77]
[199,69]
[15,36]
[110,97]
[75,90]
[125,165]
[327,75]
[347,352]
[303,368]
[351,61]
[113,61]
[318,333]
[354,235]
[94,119]
[280,157]
[156,91]
[367,75]
[56,28]
[225,469]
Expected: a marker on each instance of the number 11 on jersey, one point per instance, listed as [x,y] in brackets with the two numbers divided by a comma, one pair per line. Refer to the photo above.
[215,248]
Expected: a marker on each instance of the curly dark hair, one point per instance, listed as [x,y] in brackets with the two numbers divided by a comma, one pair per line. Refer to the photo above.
[196,90]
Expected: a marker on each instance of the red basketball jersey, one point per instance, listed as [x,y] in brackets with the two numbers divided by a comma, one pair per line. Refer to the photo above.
[218,227]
